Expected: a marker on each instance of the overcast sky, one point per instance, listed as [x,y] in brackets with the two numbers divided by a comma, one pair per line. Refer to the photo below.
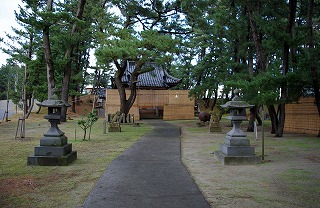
[7,20]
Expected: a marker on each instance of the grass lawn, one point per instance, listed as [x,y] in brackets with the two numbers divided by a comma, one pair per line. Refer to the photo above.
[64,186]
[288,177]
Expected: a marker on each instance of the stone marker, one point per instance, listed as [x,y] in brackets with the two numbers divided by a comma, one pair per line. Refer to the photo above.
[114,125]
[214,125]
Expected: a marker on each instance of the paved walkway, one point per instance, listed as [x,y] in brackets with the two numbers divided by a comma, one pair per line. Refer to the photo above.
[149,174]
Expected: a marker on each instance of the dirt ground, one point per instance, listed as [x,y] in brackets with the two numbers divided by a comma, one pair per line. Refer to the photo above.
[288,177]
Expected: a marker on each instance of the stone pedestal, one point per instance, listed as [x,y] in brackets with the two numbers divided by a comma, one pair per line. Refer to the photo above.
[114,127]
[236,160]
[53,156]
[236,149]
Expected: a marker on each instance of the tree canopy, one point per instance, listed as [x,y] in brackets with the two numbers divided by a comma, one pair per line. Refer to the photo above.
[269,49]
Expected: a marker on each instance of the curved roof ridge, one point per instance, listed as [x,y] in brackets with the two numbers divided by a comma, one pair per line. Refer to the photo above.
[156,78]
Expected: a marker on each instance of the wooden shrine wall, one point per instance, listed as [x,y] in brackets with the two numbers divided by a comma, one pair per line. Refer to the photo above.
[302,117]
[175,103]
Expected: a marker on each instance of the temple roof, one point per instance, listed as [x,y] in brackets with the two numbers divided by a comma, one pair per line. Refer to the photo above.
[155,79]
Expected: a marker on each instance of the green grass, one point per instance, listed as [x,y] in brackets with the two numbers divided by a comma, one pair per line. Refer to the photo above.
[303,185]
[289,176]
[64,186]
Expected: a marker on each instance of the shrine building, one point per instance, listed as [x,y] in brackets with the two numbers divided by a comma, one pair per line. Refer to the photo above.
[154,98]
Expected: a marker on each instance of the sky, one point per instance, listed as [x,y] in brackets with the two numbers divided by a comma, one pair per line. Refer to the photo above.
[7,20]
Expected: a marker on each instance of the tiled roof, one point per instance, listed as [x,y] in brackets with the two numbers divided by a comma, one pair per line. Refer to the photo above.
[157,78]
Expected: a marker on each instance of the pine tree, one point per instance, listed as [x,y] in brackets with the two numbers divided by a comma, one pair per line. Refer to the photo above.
[144,32]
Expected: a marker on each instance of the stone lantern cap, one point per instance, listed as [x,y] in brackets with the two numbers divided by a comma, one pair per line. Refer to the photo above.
[236,102]
[54,102]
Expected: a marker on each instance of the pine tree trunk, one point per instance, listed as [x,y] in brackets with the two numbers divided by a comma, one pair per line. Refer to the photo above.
[251,120]
[314,66]
[284,89]
[67,70]
[222,111]
[281,120]
[65,88]
[215,99]
[256,37]
[119,85]
[49,63]
[259,120]
[47,53]
[274,118]
[253,116]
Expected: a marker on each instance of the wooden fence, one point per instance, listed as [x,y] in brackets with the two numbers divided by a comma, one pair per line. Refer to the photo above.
[302,117]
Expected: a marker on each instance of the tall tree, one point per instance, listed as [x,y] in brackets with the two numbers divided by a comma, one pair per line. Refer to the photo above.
[285,66]
[58,28]
[68,56]
[47,50]
[24,47]
[204,50]
[258,9]
[313,56]
[143,33]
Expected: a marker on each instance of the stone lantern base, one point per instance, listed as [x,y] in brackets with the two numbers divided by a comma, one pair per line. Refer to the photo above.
[236,160]
[54,149]
[237,151]
[52,161]
[52,156]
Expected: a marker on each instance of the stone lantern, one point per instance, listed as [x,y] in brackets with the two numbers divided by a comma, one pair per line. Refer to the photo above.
[236,149]
[54,149]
